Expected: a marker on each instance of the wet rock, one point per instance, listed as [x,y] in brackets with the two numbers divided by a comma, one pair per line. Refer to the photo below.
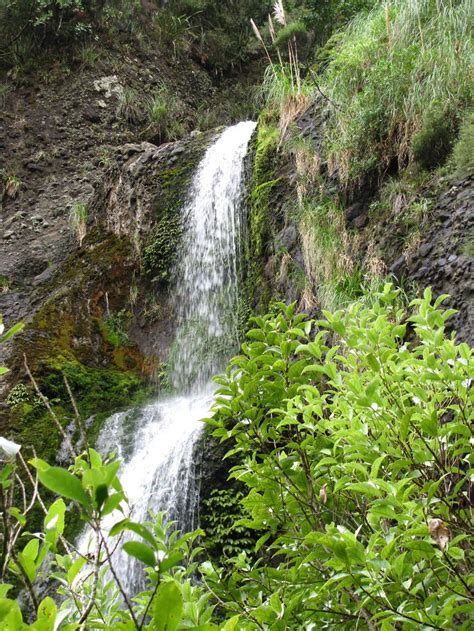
[91,115]
[361,221]
[354,211]
[45,276]
[34,166]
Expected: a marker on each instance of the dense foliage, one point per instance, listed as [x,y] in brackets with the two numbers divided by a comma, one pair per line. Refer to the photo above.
[353,435]
[395,84]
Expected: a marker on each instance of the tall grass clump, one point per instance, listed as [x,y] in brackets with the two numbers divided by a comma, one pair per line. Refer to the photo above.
[279,96]
[78,221]
[283,90]
[165,113]
[397,80]
[326,250]
[463,154]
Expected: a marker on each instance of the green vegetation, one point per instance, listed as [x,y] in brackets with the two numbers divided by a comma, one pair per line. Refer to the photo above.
[4,284]
[129,107]
[78,220]
[114,328]
[11,185]
[398,79]
[349,437]
[165,113]
[30,27]
[226,534]
[352,440]
[463,154]
[365,515]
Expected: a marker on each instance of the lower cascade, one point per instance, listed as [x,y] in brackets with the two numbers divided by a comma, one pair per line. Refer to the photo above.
[157,447]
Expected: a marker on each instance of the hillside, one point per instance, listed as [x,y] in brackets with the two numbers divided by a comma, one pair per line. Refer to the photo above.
[335,247]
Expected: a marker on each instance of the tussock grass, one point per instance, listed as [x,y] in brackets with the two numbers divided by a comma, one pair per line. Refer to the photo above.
[278,94]
[128,106]
[392,73]
[325,245]
[165,113]
[78,220]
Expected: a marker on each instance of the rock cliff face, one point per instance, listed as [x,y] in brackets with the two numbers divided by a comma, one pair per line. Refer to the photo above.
[90,218]
[422,236]
[102,316]
[444,258]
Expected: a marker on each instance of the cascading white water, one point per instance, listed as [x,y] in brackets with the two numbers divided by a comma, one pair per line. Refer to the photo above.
[207,287]
[157,447]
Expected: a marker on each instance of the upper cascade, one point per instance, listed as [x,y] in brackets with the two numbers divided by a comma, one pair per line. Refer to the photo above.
[206,277]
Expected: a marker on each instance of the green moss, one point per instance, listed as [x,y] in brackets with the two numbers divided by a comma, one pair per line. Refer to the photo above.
[159,253]
[114,328]
[256,291]
[159,256]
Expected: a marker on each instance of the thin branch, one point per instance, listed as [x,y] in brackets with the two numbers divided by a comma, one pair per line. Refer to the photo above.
[50,409]
[117,580]
[91,603]
[80,424]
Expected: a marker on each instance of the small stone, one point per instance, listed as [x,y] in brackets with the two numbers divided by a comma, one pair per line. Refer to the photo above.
[425,249]
[422,271]
[361,221]
[398,265]
[452,258]
[34,166]
[354,211]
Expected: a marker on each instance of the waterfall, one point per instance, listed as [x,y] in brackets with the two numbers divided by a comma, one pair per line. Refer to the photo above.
[207,278]
[157,448]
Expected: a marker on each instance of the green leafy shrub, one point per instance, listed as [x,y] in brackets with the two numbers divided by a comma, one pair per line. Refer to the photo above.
[354,438]
[87,594]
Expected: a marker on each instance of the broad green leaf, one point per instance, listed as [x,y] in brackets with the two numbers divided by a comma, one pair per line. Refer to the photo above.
[10,615]
[75,568]
[141,552]
[132,526]
[47,612]
[12,331]
[63,483]
[54,520]
[231,624]
[168,607]
[170,561]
